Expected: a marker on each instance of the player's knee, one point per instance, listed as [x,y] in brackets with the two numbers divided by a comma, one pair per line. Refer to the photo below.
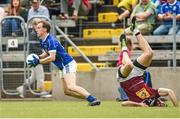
[71,87]
[170,91]
[67,92]
[149,53]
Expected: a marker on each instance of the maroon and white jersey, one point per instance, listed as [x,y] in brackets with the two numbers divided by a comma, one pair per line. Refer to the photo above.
[137,90]
[135,87]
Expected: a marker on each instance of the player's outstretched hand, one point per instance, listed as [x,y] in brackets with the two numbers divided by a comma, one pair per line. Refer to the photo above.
[34,62]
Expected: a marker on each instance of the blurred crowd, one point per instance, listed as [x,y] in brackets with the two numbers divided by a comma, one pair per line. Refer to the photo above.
[147,12]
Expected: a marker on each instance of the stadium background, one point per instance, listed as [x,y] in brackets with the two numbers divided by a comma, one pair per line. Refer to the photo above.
[96,36]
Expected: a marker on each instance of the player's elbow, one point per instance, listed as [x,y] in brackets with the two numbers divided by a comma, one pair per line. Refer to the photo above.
[53,58]
[67,92]
[124,104]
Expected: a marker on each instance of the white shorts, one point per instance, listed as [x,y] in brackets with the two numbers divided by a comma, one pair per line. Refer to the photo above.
[69,68]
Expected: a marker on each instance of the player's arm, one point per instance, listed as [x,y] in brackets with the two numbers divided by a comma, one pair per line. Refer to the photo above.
[51,53]
[43,55]
[170,93]
[133,104]
[48,59]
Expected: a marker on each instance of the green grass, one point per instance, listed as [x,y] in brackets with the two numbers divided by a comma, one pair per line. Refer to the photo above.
[79,109]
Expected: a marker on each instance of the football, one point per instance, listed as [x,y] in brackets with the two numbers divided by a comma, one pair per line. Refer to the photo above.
[30,57]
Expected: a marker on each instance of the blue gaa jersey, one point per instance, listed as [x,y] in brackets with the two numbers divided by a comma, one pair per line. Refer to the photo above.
[51,44]
[171,8]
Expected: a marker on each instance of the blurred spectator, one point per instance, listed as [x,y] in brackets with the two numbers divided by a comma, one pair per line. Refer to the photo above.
[2,13]
[107,2]
[178,33]
[157,4]
[53,7]
[145,17]
[80,7]
[166,16]
[25,4]
[6,1]
[37,9]
[13,25]
[125,8]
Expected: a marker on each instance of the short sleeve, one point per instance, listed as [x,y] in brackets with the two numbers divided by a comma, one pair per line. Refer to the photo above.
[162,9]
[52,45]
[176,8]
[151,10]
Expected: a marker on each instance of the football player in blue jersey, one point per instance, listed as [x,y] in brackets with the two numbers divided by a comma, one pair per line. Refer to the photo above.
[54,52]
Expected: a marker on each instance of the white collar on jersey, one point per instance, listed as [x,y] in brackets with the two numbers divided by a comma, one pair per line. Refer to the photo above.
[46,37]
[172,3]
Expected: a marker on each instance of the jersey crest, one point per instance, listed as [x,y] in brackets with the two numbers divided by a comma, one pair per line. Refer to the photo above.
[143,93]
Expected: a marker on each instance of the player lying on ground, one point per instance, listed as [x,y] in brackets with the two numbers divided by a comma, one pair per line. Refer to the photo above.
[131,75]
[54,52]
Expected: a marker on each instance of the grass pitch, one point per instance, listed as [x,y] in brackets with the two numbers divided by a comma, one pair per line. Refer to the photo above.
[79,109]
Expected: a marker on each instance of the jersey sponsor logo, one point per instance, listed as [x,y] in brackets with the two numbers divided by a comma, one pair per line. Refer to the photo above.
[143,93]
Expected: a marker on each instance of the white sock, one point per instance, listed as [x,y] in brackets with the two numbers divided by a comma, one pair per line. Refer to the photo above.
[124,48]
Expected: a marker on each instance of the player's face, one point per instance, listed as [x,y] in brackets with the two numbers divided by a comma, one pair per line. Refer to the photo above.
[40,30]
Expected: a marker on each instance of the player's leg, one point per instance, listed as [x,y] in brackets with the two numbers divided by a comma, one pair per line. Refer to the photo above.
[146,58]
[69,75]
[70,92]
[127,66]
[170,93]
[133,104]
[70,82]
